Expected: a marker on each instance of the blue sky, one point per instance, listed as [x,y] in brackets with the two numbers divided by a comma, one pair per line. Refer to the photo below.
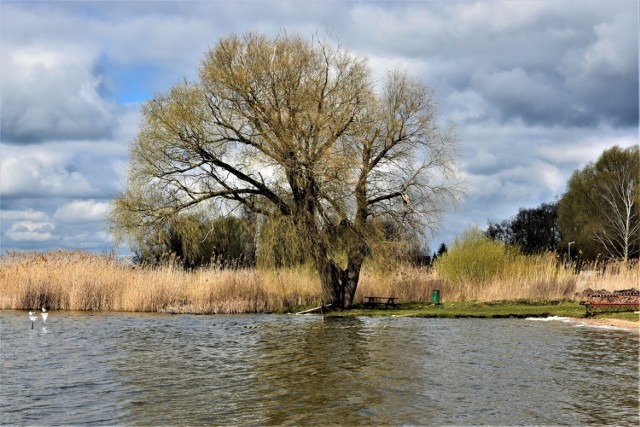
[536,89]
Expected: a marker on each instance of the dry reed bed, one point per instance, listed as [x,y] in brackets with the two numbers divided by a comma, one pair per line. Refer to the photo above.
[83,281]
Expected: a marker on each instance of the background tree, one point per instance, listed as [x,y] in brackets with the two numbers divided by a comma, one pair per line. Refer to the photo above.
[534,230]
[601,209]
[296,130]
[194,240]
[499,231]
[576,213]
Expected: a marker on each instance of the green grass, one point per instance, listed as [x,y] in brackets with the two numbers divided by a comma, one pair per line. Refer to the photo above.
[486,310]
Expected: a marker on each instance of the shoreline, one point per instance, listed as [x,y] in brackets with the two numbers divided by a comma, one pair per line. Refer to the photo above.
[612,322]
[608,321]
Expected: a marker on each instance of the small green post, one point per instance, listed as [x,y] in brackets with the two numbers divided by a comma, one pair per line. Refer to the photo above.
[435,296]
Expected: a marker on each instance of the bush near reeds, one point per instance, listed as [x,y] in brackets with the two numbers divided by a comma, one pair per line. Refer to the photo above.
[474,258]
[476,267]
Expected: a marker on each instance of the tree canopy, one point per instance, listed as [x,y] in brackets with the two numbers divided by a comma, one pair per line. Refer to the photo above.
[533,230]
[294,129]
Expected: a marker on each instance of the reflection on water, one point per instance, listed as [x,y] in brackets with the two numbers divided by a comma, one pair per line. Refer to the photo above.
[337,371]
[143,369]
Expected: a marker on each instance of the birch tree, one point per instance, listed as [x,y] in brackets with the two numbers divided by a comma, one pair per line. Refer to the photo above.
[617,191]
[297,131]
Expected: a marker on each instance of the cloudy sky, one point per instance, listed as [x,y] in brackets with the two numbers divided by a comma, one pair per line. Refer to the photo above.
[536,89]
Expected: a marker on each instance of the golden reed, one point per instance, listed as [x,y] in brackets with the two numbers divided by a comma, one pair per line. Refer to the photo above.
[62,280]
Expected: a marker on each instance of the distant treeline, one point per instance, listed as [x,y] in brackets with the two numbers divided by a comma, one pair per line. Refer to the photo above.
[597,217]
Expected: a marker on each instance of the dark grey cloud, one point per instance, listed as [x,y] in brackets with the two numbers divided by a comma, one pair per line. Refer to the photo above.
[539,62]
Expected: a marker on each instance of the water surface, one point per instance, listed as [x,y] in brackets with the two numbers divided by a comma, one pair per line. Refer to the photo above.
[153,369]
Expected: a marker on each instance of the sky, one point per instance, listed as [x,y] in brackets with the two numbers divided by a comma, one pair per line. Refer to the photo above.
[535,90]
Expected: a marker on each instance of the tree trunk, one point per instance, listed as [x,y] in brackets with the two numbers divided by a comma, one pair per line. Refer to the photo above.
[339,285]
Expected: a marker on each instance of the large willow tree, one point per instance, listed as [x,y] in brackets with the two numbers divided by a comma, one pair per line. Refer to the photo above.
[297,131]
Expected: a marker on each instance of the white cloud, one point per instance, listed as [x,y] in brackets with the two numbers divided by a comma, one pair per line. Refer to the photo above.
[609,53]
[466,106]
[383,65]
[51,93]
[81,211]
[86,240]
[33,173]
[495,17]
[31,231]
[28,214]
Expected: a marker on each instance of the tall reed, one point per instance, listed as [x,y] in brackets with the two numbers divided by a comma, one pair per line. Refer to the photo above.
[82,281]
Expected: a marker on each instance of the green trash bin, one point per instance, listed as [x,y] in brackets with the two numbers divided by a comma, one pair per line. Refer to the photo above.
[435,296]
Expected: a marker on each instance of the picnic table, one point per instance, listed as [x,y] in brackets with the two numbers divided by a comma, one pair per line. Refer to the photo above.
[373,302]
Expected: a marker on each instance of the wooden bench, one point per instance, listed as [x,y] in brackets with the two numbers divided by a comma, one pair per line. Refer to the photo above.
[373,302]
[612,302]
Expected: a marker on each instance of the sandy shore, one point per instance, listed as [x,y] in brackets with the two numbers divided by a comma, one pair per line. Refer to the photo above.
[618,323]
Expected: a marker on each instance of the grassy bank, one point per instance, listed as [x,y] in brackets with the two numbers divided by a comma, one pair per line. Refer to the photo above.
[488,310]
[83,281]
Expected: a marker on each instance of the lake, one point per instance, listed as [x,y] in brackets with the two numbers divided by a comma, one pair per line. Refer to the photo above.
[153,369]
